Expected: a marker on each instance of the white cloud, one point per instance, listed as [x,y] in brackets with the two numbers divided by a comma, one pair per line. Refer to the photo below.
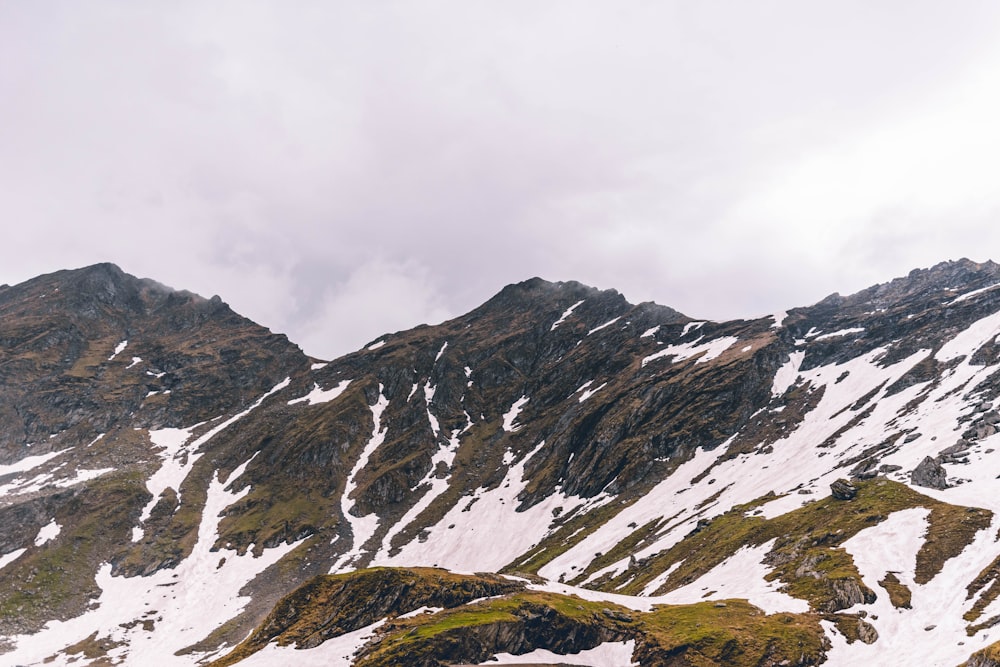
[724,158]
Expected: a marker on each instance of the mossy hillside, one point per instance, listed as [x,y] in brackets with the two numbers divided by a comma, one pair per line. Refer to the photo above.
[806,556]
[732,633]
[330,605]
[516,623]
[57,579]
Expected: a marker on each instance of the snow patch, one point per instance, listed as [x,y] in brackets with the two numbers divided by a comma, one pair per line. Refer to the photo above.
[650,332]
[590,392]
[566,313]
[362,528]
[841,333]
[708,350]
[335,652]
[376,345]
[511,415]
[118,349]
[602,326]
[49,532]
[973,293]
[7,559]
[320,395]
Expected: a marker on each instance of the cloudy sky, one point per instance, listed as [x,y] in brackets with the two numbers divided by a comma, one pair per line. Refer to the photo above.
[336,170]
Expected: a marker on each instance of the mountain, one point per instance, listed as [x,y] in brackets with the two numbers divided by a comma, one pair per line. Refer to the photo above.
[557,474]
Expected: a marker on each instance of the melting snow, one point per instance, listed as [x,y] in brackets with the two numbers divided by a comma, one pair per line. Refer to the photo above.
[118,349]
[48,532]
[708,351]
[135,361]
[185,603]
[511,415]
[973,293]
[336,652]
[841,333]
[567,313]
[364,527]
[7,559]
[739,576]
[650,332]
[602,326]
[320,395]
[590,392]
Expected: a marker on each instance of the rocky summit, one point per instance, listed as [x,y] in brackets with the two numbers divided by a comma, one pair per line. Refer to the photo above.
[557,477]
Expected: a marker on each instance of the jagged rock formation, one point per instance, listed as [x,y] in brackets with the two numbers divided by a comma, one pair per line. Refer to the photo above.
[162,460]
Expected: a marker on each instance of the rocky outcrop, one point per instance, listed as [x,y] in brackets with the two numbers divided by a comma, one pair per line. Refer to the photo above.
[930,473]
[841,489]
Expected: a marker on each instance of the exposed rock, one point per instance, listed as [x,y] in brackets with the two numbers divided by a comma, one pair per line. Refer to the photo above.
[843,490]
[929,473]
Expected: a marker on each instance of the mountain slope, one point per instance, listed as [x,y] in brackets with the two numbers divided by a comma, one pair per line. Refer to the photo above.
[171,471]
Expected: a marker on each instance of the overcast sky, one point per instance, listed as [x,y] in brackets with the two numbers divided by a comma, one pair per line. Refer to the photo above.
[336,170]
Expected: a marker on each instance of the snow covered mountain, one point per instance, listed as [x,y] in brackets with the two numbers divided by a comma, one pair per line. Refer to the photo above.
[556,476]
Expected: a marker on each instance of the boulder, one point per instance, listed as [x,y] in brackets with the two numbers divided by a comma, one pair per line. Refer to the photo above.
[843,490]
[929,473]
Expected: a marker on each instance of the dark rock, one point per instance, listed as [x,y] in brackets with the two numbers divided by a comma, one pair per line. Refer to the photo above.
[887,468]
[910,437]
[929,473]
[843,490]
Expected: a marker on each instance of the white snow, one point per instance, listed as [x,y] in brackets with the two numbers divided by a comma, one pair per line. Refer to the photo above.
[135,362]
[691,326]
[603,326]
[590,392]
[48,532]
[609,654]
[841,333]
[185,603]
[973,293]
[786,375]
[778,319]
[510,417]
[318,365]
[320,395]
[932,633]
[567,313]
[336,652]
[441,351]
[179,456]
[739,576]
[485,532]
[650,332]
[376,345]
[28,463]
[708,350]
[118,349]
[971,339]
[7,559]
[362,528]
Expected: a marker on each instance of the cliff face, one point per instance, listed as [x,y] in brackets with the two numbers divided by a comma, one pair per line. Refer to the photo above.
[170,471]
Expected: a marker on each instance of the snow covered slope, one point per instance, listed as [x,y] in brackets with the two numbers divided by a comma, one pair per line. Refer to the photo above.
[170,473]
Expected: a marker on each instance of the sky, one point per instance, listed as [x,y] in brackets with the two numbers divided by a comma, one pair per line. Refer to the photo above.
[339,170]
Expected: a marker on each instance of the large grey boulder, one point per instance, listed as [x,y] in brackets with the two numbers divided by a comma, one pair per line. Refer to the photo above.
[930,473]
